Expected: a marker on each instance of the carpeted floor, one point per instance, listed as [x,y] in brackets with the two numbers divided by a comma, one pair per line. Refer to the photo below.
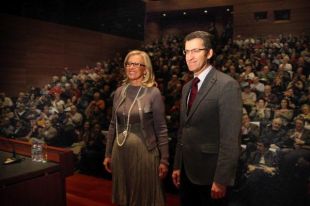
[84,190]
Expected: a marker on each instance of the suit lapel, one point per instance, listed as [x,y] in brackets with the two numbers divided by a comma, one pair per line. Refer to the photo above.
[203,91]
[185,94]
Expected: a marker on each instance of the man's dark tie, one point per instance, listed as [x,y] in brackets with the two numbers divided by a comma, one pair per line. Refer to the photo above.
[194,91]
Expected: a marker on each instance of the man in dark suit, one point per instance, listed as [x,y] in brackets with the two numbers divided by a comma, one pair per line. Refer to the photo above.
[208,141]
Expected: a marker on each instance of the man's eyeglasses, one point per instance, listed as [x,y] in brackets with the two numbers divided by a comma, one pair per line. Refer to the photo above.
[134,64]
[193,51]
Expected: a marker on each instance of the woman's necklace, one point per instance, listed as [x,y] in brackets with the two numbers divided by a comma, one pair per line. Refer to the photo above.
[125,132]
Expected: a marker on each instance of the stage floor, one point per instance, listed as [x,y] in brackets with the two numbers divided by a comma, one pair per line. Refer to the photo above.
[84,190]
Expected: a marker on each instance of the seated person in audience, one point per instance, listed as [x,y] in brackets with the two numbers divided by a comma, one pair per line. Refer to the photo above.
[248,97]
[84,132]
[63,81]
[290,95]
[173,83]
[6,127]
[95,115]
[240,66]
[48,133]
[55,80]
[249,132]
[261,112]
[265,74]
[106,92]
[8,113]
[43,101]
[83,135]
[247,75]
[298,86]
[68,104]
[97,138]
[298,137]
[68,92]
[59,119]
[56,101]
[5,101]
[21,99]
[93,75]
[305,98]
[262,159]
[283,74]
[34,131]
[21,129]
[305,114]
[274,133]
[57,89]
[45,113]
[278,86]
[93,152]
[97,102]
[257,86]
[261,169]
[300,74]
[269,97]
[33,113]
[75,116]
[21,112]
[232,72]
[286,66]
[284,112]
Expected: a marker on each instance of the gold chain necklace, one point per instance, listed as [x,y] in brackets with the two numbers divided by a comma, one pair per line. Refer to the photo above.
[125,132]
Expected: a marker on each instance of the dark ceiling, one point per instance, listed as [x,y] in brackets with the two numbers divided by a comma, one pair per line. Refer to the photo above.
[118,17]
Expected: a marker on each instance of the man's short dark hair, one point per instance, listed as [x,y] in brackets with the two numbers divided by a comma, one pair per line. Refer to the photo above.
[205,36]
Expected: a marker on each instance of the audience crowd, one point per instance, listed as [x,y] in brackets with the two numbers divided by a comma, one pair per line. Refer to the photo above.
[73,110]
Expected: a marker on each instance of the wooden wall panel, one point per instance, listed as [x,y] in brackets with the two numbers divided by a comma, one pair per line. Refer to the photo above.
[243,15]
[246,25]
[31,51]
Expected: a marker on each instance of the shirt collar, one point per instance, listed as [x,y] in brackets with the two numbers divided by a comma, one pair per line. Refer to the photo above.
[203,75]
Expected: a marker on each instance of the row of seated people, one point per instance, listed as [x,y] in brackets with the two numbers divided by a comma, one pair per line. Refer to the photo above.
[274,164]
[275,133]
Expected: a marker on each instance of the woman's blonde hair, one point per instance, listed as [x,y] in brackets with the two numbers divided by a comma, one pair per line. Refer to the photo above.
[149,78]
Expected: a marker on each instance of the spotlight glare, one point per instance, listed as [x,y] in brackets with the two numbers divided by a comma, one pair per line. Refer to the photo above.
[205,11]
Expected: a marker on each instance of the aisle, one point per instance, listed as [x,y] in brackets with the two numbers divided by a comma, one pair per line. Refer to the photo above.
[84,190]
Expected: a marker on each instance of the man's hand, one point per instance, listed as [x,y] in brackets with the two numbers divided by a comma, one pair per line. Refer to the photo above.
[176,177]
[251,168]
[269,170]
[218,191]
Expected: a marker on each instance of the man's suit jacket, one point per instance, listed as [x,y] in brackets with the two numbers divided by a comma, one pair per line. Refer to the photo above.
[289,141]
[270,157]
[209,135]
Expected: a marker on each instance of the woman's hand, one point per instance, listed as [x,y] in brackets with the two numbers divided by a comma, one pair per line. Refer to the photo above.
[163,170]
[107,164]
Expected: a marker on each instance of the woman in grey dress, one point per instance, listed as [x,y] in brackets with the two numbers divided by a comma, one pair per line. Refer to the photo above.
[137,142]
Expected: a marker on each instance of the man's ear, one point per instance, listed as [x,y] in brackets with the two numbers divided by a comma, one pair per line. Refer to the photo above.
[210,54]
